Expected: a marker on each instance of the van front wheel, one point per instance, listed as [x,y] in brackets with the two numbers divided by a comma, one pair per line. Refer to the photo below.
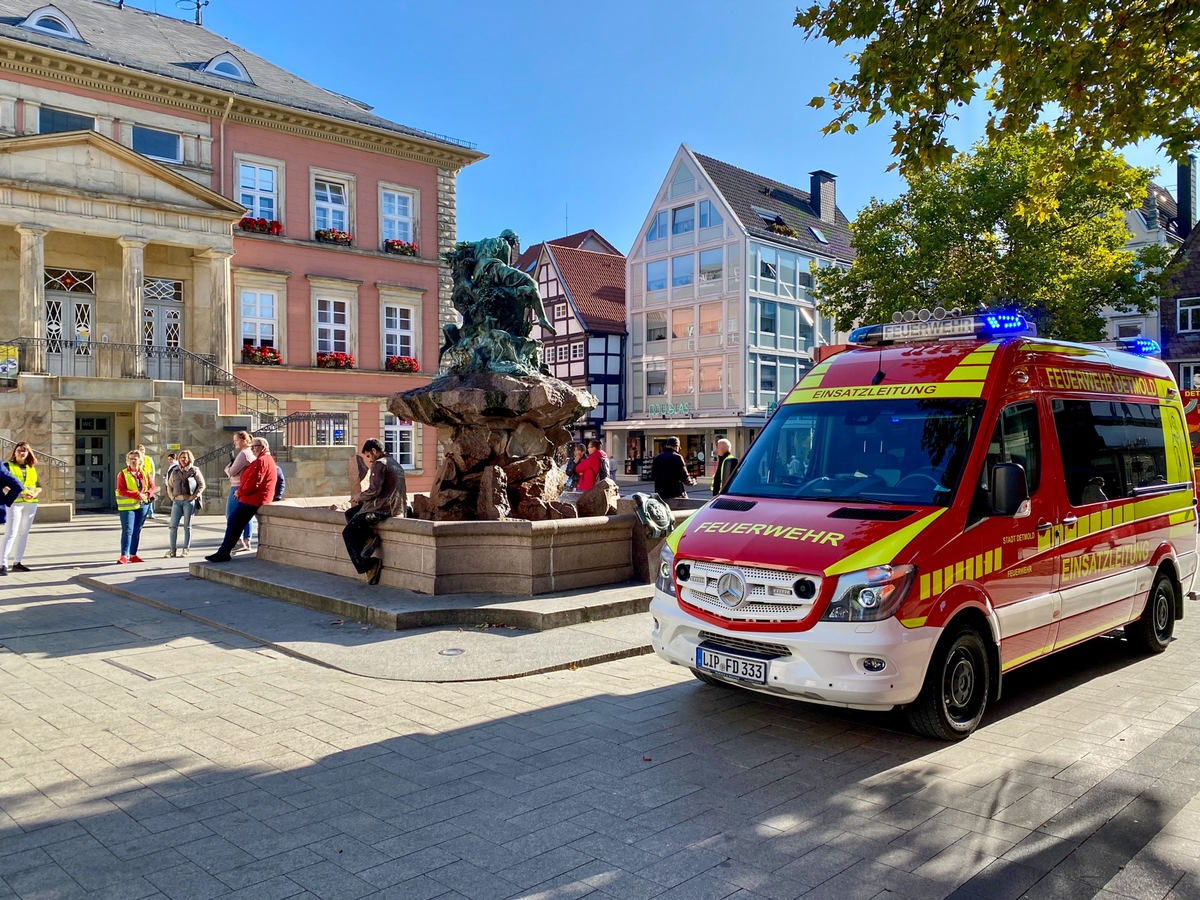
[1152,632]
[956,689]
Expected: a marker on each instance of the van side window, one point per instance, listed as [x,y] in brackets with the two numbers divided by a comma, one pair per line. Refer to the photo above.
[1016,440]
[1110,449]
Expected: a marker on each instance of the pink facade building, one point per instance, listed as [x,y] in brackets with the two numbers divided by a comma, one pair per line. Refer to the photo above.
[195,240]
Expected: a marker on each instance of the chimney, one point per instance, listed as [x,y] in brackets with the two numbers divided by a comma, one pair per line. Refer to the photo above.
[1186,191]
[823,194]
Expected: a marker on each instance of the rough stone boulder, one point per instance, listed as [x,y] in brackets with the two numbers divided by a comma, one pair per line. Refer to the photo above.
[499,434]
[599,500]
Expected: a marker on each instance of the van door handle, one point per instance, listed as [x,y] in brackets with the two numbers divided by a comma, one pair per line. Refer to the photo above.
[1069,521]
[1044,526]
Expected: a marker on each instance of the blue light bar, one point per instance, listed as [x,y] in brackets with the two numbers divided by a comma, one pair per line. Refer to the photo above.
[1140,346]
[984,326]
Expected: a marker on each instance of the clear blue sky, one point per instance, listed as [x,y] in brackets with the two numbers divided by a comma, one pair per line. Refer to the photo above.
[581,106]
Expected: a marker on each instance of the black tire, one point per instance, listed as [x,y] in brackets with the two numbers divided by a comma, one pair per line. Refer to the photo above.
[1151,633]
[709,679]
[957,686]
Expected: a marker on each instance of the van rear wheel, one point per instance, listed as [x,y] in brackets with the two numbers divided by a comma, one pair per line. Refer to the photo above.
[1152,632]
[957,685]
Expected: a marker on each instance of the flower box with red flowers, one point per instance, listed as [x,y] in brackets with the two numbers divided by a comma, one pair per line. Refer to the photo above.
[335,360]
[261,226]
[333,236]
[261,356]
[400,248]
[402,364]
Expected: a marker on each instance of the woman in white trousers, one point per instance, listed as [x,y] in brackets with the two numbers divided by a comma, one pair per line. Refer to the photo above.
[22,465]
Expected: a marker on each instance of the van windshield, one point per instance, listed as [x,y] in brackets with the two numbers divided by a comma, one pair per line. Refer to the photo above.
[903,451]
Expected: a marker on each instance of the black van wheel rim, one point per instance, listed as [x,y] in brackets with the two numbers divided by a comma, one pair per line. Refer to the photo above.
[959,686]
[1162,613]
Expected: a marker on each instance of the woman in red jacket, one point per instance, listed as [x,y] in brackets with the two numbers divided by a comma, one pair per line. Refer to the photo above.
[256,489]
[587,470]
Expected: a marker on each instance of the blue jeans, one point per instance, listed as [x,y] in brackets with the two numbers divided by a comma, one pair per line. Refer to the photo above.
[182,509]
[230,505]
[131,529]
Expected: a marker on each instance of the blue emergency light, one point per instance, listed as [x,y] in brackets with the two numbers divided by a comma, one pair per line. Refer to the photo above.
[983,326]
[1139,346]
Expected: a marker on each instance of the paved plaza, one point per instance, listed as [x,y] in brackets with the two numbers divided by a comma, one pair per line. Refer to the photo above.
[144,754]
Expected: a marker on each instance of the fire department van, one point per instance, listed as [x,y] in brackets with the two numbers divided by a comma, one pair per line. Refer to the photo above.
[950,499]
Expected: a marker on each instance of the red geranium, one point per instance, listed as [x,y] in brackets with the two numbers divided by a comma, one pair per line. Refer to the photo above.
[402,364]
[335,360]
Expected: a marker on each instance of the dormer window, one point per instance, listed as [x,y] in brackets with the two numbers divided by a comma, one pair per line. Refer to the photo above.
[52,20]
[227,66]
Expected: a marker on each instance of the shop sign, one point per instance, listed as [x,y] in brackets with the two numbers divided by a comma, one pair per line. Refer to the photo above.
[669,409]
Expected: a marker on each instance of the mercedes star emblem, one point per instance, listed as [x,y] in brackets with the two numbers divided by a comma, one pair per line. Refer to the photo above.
[731,589]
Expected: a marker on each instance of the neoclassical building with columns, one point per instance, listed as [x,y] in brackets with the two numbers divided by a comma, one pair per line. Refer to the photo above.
[193,240]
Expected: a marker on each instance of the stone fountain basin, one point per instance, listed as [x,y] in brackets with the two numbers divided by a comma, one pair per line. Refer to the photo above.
[512,556]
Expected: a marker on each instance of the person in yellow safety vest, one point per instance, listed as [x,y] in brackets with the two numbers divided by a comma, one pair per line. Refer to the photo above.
[726,463]
[148,468]
[22,465]
[134,493]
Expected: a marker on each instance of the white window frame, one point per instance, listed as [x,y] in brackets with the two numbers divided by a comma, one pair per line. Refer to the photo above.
[686,279]
[330,332]
[213,67]
[561,352]
[177,158]
[258,320]
[395,432]
[278,196]
[264,283]
[711,277]
[391,226]
[709,209]
[683,227]
[1193,319]
[328,176]
[666,279]
[1189,376]
[69,31]
[399,299]
[341,290]
[658,227]
[577,350]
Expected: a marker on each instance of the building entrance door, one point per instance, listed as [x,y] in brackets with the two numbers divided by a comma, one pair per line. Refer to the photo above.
[69,348]
[162,328]
[93,462]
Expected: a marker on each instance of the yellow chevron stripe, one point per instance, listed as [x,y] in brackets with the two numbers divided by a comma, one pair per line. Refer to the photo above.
[882,552]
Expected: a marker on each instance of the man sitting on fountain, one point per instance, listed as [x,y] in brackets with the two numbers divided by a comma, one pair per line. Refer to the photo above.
[386,496]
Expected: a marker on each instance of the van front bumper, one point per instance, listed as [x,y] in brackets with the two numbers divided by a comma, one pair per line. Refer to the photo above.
[826,664]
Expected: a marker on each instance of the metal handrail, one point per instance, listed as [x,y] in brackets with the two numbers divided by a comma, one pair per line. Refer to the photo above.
[213,467]
[90,359]
[57,468]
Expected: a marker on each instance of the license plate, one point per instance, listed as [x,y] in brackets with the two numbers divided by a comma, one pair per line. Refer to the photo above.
[743,668]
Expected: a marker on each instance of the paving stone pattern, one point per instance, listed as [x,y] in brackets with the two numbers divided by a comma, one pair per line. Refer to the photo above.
[146,755]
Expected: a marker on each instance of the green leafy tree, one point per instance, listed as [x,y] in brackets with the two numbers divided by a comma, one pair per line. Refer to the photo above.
[959,236]
[1108,72]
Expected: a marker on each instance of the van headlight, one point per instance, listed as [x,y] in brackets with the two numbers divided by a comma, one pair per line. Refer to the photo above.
[870,595]
[666,562]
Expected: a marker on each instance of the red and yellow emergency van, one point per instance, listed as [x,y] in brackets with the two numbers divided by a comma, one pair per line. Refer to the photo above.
[950,499]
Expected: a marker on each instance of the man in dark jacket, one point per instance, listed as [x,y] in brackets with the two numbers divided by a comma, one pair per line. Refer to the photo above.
[669,472]
[385,497]
[726,463]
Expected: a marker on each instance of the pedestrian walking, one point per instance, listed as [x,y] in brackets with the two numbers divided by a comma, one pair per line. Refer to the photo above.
[669,472]
[256,488]
[242,457]
[22,465]
[185,484]
[135,492]
[726,464]
[386,496]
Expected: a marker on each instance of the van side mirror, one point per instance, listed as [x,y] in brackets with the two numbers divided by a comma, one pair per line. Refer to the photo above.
[1007,487]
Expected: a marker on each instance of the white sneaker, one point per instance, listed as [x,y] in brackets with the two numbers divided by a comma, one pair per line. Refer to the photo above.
[170,554]
[183,552]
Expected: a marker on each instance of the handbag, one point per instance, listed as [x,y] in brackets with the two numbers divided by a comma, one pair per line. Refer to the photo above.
[199,503]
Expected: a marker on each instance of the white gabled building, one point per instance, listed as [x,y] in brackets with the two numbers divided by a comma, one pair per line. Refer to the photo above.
[719,307]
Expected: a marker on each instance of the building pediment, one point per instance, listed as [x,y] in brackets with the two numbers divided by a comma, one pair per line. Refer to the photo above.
[85,164]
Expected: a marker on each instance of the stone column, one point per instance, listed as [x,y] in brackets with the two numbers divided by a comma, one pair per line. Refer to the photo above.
[31,316]
[213,301]
[129,328]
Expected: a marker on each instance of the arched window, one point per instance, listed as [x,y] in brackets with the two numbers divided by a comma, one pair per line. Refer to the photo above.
[227,66]
[52,20]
